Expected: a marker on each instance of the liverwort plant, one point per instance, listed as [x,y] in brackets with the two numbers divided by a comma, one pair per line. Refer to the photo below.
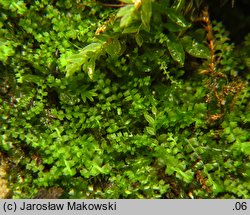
[147,99]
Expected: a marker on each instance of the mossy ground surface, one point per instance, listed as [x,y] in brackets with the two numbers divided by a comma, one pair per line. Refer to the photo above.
[147,100]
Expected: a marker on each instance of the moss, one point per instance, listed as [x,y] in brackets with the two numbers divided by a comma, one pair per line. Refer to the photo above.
[122,102]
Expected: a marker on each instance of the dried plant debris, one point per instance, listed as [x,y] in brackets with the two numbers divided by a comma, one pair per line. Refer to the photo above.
[134,99]
[4,186]
[50,193]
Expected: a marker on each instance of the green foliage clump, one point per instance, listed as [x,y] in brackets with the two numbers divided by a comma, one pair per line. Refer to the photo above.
[120,103]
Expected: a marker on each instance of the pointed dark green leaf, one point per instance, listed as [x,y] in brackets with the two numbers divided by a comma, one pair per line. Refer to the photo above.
[195,48]
[146,13]
[176,49]
[177,18]
[113,48]
[173,27]
[139,39]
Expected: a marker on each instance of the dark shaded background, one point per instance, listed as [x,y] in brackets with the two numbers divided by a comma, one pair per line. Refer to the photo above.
[236,19]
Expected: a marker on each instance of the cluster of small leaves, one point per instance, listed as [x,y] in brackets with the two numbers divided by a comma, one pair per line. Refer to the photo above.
[123,116]
[224,71]
[134,20]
